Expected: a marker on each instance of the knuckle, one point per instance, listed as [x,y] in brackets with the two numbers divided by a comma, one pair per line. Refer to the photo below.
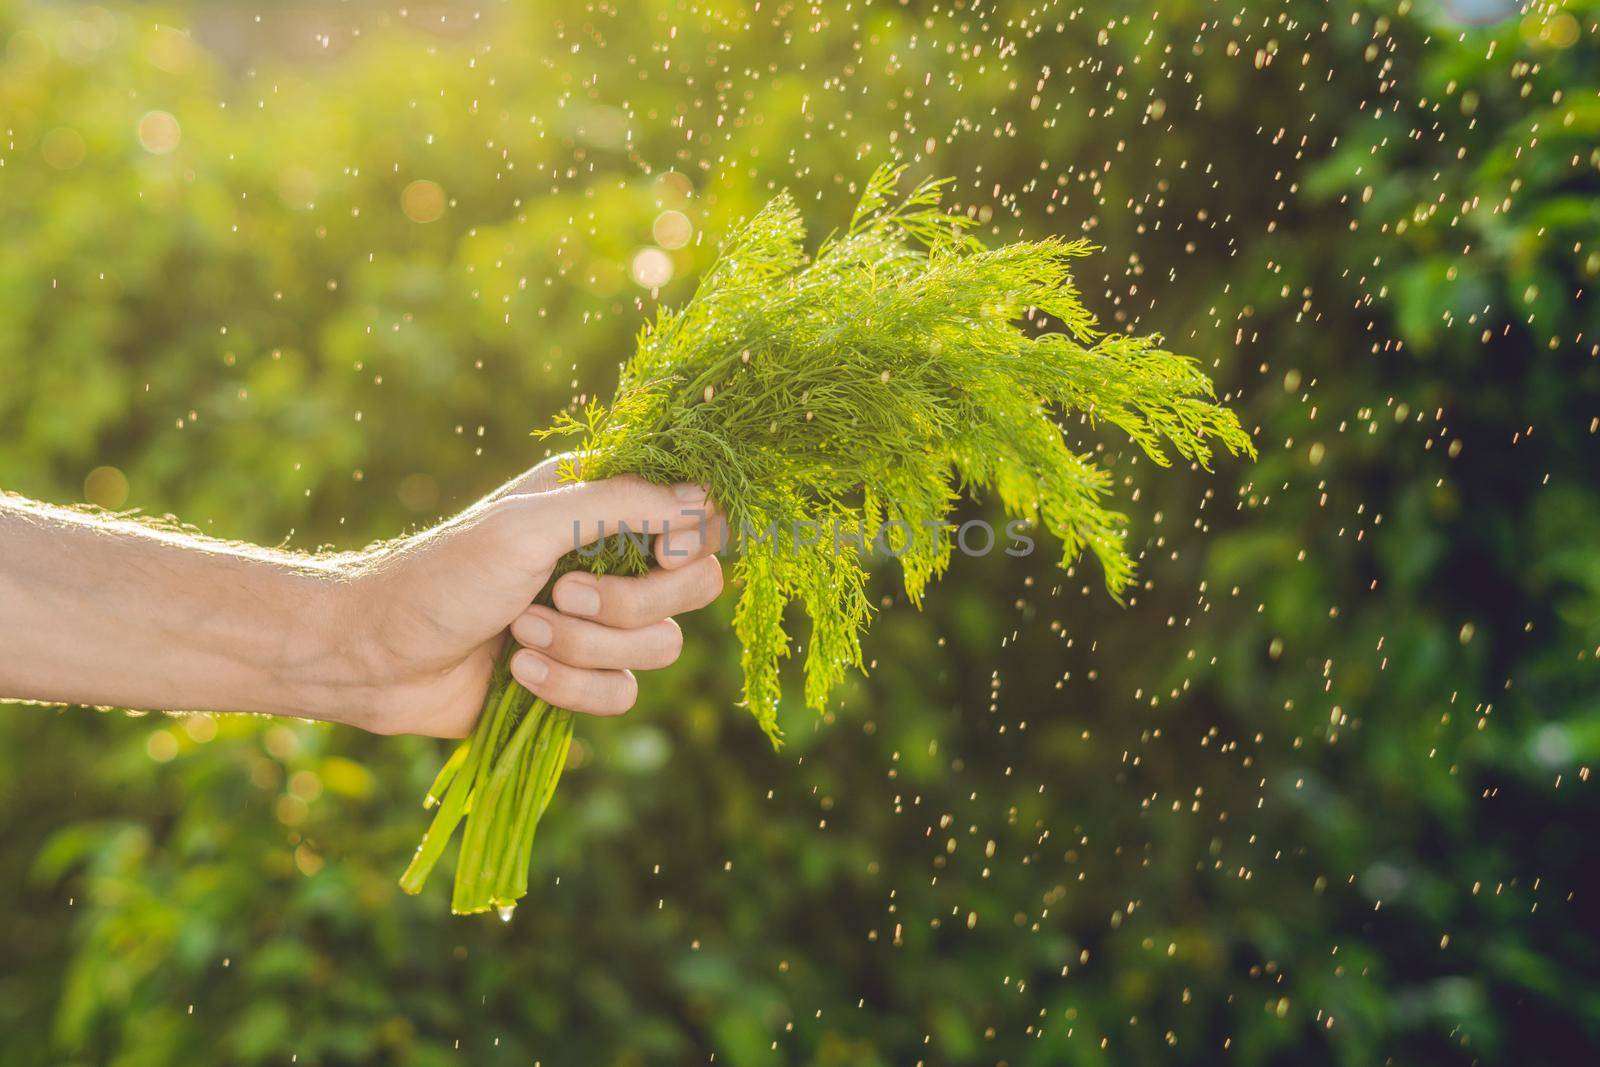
[624,485]
[565,688]
[521,629]
[633,607]
[508,516]
[581,643]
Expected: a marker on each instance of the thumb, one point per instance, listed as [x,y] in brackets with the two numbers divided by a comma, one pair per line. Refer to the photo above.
[583,512]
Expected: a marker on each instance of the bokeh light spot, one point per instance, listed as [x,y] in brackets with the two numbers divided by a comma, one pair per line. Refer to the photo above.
[422,200]
[200,728]
[161,746]
[159,132]
[672,229]
[307,860]
[290,809]
[106,487]
[673,186]
[1557,30]
[652,268]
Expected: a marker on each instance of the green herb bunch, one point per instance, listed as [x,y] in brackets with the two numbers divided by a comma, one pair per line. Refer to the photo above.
[863,390]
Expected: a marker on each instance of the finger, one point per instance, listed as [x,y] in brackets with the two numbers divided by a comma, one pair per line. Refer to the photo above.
[681,544]
[581,513]
[574,688]
[581,643]
[630,603]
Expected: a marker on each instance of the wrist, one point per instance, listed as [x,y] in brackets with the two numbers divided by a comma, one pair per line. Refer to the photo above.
[323,664]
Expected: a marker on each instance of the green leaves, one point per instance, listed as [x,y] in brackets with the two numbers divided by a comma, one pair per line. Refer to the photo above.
[904,366]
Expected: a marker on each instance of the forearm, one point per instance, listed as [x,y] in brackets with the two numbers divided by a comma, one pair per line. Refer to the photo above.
[110,612]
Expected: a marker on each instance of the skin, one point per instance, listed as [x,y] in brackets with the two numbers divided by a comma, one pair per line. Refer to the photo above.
[398,639]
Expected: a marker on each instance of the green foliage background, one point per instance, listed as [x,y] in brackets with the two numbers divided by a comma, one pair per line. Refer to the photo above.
[1320,794]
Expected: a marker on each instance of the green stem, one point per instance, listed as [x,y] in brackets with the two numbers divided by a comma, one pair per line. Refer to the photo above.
[446,775]
[555,761]
[471,888]
[555,724]
[456,798]
[511,808]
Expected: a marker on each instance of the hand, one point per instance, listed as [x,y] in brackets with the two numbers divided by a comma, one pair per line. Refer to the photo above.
[424,619]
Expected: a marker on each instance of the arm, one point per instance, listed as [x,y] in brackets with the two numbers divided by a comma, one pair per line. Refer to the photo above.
[398,639]
[96,610]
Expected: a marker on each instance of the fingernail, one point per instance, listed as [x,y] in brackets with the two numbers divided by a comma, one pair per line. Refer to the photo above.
[529,668]
[536,632]
[689,491]
[575,599]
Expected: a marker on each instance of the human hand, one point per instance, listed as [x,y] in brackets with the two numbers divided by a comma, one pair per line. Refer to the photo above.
[422,620]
